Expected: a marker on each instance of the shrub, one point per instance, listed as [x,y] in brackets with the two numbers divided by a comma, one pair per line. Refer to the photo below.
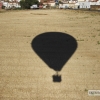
[25,4]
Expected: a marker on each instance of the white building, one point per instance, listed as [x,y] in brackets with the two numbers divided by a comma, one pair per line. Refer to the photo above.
[87,3]
[11,4]
[68,4]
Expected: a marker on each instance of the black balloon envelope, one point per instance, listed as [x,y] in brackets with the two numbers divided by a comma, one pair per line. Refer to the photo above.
[54,48]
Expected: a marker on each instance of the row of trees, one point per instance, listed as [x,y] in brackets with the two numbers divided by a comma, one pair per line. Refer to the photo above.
[25,4]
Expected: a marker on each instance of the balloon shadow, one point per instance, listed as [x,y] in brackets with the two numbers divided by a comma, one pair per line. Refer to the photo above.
[55,49]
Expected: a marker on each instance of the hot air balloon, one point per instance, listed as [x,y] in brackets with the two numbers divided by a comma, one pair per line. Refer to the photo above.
[55,49]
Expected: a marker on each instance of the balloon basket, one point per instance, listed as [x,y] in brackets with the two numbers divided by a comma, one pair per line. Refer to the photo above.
[56,78]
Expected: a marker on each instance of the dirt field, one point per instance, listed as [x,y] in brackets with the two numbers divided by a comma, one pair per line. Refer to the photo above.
[24,76]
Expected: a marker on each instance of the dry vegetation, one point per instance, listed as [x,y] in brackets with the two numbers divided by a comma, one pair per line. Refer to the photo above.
[24,76]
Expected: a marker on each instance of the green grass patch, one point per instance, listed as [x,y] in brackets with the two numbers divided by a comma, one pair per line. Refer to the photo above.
[98,42]
[94,36]
[80,39]
[86,90]
[86,17]
[98,30]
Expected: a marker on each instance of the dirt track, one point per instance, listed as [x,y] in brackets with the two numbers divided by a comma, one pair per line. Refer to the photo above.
[24,76]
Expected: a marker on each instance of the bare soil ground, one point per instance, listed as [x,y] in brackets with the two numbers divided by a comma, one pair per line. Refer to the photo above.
[24,76]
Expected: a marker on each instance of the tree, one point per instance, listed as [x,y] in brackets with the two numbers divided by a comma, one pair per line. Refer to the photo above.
[25,4]
[60,2]
[22,3]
